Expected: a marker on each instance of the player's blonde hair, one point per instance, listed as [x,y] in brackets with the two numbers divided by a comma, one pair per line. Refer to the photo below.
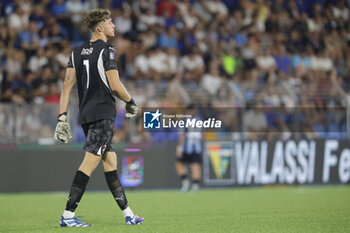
[93,17]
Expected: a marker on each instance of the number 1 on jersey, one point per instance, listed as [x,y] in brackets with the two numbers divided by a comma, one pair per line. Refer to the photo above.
[86,64]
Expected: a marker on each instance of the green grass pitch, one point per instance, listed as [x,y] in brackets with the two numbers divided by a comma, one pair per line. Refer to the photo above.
[284,209]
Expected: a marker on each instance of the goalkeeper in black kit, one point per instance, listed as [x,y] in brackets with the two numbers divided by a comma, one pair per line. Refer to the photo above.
[93,67]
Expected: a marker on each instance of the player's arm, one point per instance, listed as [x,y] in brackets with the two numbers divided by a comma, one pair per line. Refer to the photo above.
[62,131]
[120,91]
[179,148]
[117,87]
[68,84]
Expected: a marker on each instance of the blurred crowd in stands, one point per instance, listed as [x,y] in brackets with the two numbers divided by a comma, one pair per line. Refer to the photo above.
[250,54]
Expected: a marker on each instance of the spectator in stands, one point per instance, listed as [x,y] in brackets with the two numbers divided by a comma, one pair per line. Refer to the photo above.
[229,62]
[14,62]
[75,9]
[201,8]
[192,65]
[341,11]
[147,20]
[29,38]
[283,60]
[63,56]
[168,6]
[172,61]
[37,61]
[38,16]
[52,96]
[142,65]
[56,35]
[44,38]
[124,22]
[212,81]
[301,63]
[157,63]
[190,19]
[18,20]
[321,62]
[168,38]
[254,122]
[216,7]
[60,11]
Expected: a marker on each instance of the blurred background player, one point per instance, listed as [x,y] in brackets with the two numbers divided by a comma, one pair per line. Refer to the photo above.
[189,152]
[93,66]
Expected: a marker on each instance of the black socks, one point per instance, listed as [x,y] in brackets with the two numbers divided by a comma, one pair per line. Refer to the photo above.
[77,190]
[117,189]
[183,177]
[79,185]
[195,182]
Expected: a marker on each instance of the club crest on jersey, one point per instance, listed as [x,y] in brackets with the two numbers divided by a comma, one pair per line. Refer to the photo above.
[87,51]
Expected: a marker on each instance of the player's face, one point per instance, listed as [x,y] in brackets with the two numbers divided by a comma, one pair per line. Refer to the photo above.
[109,26]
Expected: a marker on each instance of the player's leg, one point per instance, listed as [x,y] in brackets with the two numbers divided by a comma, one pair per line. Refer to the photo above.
[89,163]
[81,179]
[181,170]
[110,168]
[77,190]
[112,179]
[196,170]
[98,136]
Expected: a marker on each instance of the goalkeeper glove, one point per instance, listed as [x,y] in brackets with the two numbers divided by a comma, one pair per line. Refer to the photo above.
[62,131]
[131,109]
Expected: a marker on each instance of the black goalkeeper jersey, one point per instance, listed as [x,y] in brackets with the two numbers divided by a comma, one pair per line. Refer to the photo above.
[91,61]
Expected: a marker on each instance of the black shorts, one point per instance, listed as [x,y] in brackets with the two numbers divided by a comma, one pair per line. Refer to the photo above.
[99,136]
[191,158]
